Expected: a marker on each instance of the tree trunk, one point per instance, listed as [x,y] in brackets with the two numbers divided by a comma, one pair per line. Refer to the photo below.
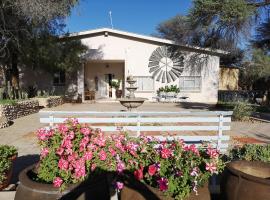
[14,78]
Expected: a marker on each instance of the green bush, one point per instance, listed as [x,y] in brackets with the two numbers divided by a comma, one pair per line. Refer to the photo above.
[6,153]
[251,152]
[242,111]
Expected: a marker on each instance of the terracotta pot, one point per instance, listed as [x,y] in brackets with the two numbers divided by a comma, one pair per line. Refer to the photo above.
[138,191]
[8,178]
[96,189]
[246,180]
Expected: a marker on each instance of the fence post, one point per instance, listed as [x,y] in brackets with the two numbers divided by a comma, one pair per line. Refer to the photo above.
[220,127]
[51,120]
[138,125]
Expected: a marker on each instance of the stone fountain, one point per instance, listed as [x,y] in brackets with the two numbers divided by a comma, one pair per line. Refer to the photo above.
[131,102]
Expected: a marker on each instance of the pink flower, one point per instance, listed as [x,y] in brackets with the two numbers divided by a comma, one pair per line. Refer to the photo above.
[194,171]
[102,155]
[63,164]
[88,155]
[139,173]
[79,166]
[120,166]
[86,131]
[163,184]
[166,153]
[93,167]
[84,143]
[211,167]
[67,143]
[192,148]
[71,135]
[62,128]
[152,170]
[119,185]
[100,141]
[112,151]
[44,152]
[57,182]
[131,146]
[60,151]
[42,134]
[213,153]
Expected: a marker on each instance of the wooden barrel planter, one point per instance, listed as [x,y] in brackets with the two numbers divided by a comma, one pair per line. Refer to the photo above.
[246,180]
[136,190]
[96,189]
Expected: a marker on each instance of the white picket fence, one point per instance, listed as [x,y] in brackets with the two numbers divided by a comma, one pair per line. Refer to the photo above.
[162,122]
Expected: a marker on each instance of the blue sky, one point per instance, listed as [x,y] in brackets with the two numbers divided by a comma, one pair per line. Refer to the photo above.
[138,16]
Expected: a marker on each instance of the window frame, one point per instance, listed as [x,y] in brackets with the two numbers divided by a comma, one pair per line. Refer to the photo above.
[59,83]
[190,89]
[138,90]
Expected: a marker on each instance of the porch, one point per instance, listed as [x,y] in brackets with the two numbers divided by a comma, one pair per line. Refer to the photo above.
[100,78]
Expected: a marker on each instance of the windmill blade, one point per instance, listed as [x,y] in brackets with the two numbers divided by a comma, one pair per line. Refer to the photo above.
[164,51]
[159,76]
[177,73]
[152,69]
[168,77]
[153,63]
[173,77]
[163,77]
[159,52]
[156,72]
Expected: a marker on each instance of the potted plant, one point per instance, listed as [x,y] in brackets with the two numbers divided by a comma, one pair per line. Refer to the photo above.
[171,170]
[172,91]
[68,167]
[7,155]
[116,85]
[248,171]
[161,92]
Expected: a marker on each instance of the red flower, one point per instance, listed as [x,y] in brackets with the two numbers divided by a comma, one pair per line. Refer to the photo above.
[166,153]
[152,170]
[139,173]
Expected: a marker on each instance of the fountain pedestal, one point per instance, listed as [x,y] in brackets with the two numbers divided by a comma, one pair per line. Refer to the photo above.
[131,102]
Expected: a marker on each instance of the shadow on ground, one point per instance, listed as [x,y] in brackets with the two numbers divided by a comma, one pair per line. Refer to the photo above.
[197,106]
[21,163]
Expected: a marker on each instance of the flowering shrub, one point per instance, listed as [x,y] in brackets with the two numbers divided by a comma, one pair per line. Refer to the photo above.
[72,152]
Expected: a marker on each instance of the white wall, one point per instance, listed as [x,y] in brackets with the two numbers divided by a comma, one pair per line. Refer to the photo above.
[136,55]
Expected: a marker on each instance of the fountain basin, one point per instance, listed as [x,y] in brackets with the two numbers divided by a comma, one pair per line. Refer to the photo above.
[131,103]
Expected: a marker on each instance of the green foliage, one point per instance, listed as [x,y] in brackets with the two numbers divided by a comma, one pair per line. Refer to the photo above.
[8,102]
[242,111]
[251,152]
[116,84]
[6,153]
[171,88]
[228,18]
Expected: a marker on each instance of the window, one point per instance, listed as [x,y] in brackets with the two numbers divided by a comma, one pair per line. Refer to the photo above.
[59,78]
[144,83]
[190,83]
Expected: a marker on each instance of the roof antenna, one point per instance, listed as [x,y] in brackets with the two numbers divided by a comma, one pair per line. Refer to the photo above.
[110,13]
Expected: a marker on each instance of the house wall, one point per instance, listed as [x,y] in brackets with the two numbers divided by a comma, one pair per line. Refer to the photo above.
[43,80]
[136,55]
[228,78]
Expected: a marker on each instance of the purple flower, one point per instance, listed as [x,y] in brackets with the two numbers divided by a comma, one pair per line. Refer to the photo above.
[163,184]
[119,185]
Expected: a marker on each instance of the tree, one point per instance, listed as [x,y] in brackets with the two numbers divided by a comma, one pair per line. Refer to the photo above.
[22,22]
